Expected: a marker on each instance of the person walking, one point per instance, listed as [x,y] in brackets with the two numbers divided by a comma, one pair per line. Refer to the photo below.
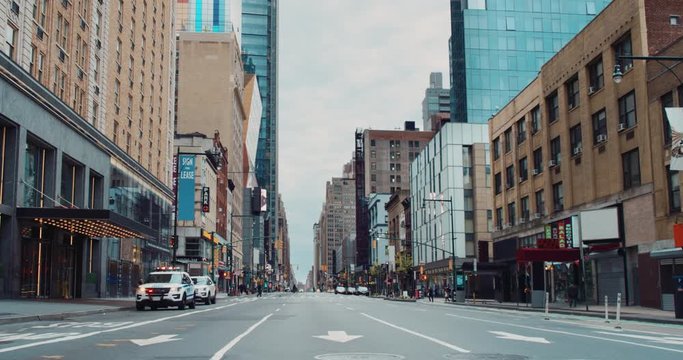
[431,295]
[572,295]
[259,290]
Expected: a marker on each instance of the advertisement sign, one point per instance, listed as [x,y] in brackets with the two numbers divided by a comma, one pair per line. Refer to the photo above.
[264,200]
[175,178]
[675,116]
[205,199]
[186,187]
[559,234]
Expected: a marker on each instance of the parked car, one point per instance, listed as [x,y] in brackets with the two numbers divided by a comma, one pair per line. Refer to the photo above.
[165,288]
[340,290]
[205,289]
[362,290]
[350,290]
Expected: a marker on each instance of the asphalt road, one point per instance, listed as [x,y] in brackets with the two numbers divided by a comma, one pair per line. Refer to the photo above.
[336,327]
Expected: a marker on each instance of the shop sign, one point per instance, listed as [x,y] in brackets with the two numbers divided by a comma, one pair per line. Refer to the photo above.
[186,187]
[561,232]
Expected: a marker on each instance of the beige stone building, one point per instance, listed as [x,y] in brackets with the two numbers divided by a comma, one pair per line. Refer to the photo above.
[576,140]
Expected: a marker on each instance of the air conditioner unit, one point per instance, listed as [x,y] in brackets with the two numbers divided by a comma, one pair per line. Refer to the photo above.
[622,126]
[591,90]
[537,215]
[535,172]
[577,150]
[521,179]
[552,163]
[602,138]
[628,66]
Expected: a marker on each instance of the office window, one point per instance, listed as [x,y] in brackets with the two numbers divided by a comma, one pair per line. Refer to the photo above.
[627,110]
[674,191]
[573,92]
[508,140]
[599,127]
[536,119]
[496,148]
[511,214]
[521,131]
[590,8]
[631,166]
[538,160]
[373,177]
[674,20]
[575,139]
[553,106]
[510,177]
[499,217]
[524,208]
[11,41]
[540,202]
[623,47]
[523,169]
[41,62]
[373,154]
[555,150]
[596,75]
[497,183]
[510,23]
[667,100]
[558,196]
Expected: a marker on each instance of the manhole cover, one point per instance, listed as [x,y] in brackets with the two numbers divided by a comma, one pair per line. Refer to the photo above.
[485,357]
[359,356]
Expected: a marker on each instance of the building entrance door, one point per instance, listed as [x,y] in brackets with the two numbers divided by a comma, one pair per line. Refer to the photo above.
[67,263]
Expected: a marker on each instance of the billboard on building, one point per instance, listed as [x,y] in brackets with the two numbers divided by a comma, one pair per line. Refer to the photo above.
[186,187]
[264,200]
[675,116]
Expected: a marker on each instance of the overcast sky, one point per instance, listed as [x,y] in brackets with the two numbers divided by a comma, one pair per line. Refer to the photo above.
[347,64]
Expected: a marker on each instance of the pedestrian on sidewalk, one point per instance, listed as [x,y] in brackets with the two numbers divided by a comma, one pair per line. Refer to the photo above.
[259,290]
[572,294]
[431,295]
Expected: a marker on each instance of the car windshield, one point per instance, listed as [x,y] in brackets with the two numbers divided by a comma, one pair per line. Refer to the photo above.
[200,281]
[164,278]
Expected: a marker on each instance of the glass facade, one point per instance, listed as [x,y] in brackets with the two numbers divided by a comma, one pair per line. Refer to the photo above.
[259,55]
[208,16]
[498,47]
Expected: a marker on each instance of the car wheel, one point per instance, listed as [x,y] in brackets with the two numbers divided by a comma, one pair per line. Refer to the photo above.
[213,300]
[153,307]
[208,299]
[182,303]
[139,307]
[192,304]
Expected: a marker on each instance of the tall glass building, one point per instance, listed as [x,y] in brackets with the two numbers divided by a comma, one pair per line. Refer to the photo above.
[498,46]
[259,54]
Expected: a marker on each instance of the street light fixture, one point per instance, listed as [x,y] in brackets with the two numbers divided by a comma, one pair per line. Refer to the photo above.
[618,75]
[450,211]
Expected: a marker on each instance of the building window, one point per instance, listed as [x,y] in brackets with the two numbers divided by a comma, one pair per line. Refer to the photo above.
[11,41]
[373,177]
[540,202]
[631,165]
[536,119]
[596,76]
[674,20]
[553,106]
[623,48]
[558,196]
[599,127]
[496,148]
[510,177]
[523,169]
[524,211]
[373,154]
[555,150]
[373,166]
[590,8]
[674,191]
[538,161]
[372,142]
[497,182]
[499,217]
[667,101]
[627,110]
[573,92]
[41,61]
[511,214]
[575,139]
[521,131]
[508,140]
[510,23]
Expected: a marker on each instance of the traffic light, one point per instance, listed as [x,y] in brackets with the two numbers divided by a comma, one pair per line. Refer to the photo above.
[173,242]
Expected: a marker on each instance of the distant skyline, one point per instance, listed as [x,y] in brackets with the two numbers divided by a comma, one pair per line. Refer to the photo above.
[347,65]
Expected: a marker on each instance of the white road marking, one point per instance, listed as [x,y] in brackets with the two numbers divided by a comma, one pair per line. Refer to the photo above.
[338,336]
[567,333]
[278,309]
[669,340]
[219,355]
[437,341]
[511,336]
[348,308]
[76,336]
[155,340]
[76,325]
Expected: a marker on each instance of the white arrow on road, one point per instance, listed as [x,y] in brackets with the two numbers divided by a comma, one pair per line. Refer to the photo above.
[155,340]
[510,336]
[338,336]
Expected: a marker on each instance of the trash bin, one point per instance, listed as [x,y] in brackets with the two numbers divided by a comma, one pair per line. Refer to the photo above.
[678,296]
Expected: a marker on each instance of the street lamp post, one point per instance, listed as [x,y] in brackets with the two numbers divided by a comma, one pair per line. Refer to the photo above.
[450,211]
[617,75]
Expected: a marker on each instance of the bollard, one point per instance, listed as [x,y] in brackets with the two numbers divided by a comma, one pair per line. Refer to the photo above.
[606,310]
[547,296]
[618,311]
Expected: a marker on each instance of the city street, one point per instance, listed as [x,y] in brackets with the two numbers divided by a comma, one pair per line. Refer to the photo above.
[326,326]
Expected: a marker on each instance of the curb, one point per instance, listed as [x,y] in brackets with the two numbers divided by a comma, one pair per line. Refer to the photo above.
[61,316]
[401,300]
[594,314]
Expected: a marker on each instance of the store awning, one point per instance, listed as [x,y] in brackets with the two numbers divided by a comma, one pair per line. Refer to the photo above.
[557,255]
[669,253]
[89,222]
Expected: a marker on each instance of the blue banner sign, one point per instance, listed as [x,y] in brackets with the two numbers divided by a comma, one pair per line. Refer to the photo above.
[186,187]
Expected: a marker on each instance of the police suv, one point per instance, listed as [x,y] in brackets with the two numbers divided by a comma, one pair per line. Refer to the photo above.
[164,288]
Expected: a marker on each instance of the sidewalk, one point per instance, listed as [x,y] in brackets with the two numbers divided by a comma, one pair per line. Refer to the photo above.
[25,310]
[634,313]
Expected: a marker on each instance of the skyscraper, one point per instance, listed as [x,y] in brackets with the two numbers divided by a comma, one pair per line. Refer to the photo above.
[437,100]
[259,54]
[209,16]
[498,47]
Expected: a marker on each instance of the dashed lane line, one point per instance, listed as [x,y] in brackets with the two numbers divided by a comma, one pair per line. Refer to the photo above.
[219,355]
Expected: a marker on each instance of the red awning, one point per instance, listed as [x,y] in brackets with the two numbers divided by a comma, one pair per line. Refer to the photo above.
[559,255]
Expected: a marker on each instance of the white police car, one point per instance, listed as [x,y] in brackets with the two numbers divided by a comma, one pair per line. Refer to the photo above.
[166,287]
